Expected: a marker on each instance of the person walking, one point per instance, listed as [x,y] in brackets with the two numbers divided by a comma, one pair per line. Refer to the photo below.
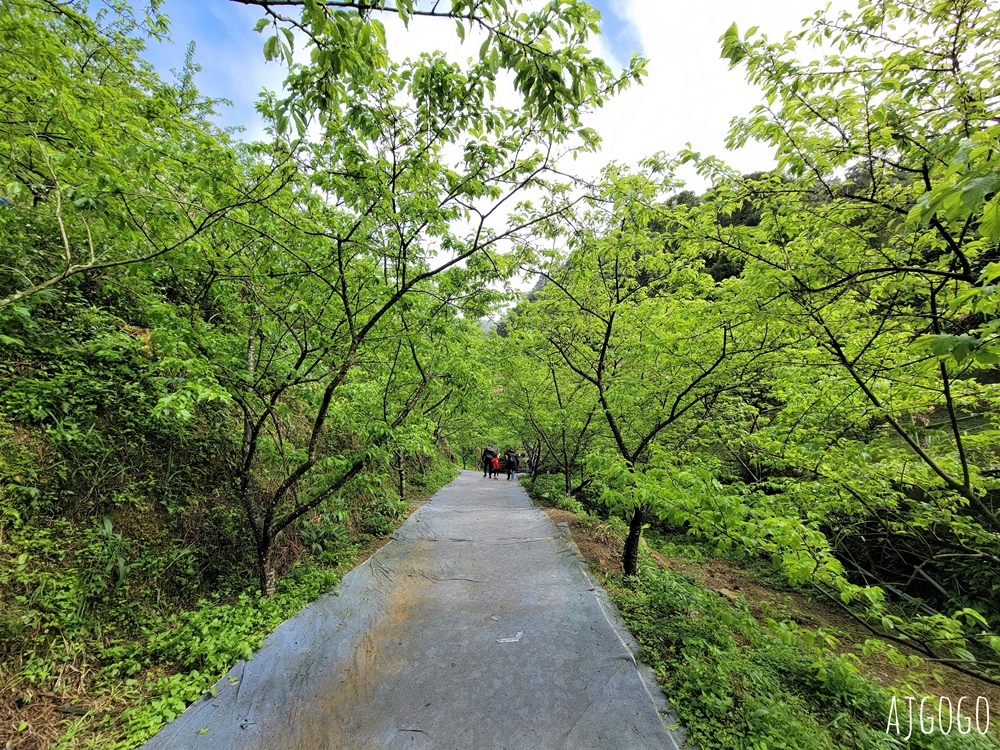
[487,460]
[510,463]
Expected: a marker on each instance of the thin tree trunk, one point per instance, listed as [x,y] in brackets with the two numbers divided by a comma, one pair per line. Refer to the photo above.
[265,567]
[401,471]
[630,558]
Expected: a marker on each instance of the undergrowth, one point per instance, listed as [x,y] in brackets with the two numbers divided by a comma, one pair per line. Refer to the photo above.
[202,644]
[550,489]
[125,665]
[115,617]
[739,683]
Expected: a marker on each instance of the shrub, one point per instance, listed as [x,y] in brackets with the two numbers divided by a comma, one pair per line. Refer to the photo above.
[741,684]
[550,489]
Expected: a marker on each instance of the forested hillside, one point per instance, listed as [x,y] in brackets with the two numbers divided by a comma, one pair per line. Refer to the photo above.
[226,367]
[800,365]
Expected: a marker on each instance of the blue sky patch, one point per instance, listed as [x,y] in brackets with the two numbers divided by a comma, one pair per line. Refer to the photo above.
[228,51]
[618,32]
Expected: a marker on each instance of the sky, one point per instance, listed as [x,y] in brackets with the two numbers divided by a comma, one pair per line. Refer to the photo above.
[690,95]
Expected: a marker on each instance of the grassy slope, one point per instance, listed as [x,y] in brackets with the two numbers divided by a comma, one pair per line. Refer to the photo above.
[112,622]
[750,665]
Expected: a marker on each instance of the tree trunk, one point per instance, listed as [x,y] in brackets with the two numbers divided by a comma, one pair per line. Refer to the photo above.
[401,470]
[265,568]
[630,558]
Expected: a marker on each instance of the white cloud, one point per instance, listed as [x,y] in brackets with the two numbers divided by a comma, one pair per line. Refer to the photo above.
[690,94]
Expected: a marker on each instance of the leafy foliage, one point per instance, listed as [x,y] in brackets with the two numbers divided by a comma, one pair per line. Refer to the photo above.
[739,682]
[222,361]
[799,364]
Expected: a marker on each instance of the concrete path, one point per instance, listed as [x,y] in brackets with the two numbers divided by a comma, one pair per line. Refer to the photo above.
[475,628]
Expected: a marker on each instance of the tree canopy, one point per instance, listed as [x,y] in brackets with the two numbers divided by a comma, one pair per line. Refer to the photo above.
[219,358]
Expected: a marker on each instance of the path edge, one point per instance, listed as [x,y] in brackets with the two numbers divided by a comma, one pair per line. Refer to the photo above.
[668,717]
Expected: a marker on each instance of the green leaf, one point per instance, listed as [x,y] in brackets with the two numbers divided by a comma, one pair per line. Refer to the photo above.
[271,48]
[732,46]
[989,224]
[975,191]
[11,341]
[942,346]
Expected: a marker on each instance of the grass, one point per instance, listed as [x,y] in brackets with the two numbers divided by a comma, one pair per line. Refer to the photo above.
[741,683]
[740,670]
[89,659]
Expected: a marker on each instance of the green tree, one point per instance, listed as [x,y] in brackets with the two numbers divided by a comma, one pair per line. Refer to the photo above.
[104,165]
[876,250]
[554,72]
[552,410]
[641,324]
[397,214]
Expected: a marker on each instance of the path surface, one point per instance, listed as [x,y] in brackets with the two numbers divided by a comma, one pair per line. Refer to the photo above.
[475,628]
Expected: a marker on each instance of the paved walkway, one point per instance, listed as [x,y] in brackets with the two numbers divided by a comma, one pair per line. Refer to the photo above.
[475,628]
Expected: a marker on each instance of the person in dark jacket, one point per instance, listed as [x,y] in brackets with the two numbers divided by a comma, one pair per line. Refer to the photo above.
[510,463]
[487,460]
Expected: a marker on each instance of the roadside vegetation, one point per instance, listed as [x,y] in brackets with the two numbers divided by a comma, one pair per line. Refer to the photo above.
[750,662]
[112,625]
[228,367]
[797,366]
